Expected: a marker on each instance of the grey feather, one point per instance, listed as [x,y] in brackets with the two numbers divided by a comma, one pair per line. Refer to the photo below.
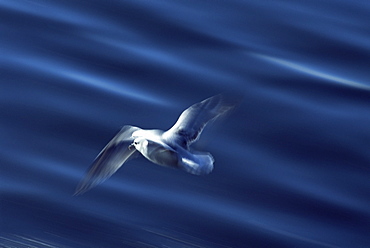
[192,121]
[109,160]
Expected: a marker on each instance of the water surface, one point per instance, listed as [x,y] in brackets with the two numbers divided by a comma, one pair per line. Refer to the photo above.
[292,162]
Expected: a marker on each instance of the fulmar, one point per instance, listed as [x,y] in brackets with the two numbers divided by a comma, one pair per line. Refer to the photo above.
[166,148]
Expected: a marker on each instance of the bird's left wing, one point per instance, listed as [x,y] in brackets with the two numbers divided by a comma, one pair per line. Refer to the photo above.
[109,160]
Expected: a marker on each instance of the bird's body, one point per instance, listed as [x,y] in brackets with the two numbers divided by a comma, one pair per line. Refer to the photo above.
[155,150]
[166,148]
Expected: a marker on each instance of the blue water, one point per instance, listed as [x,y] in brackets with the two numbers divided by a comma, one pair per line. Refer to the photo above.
[292,163]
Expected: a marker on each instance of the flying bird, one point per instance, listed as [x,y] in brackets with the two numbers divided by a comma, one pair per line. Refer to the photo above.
[166,148]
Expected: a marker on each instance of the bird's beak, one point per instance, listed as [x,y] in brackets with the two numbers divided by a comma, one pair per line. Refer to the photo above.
[131,146]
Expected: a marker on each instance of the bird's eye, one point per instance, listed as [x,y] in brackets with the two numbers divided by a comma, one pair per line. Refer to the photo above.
[135,142]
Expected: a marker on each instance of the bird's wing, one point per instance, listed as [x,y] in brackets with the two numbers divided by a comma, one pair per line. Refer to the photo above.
[192,121]
[109,160]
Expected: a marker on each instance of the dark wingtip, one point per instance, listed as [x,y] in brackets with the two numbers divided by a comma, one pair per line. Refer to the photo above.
[231,99]
[224,102]
[77,193]
[80,190]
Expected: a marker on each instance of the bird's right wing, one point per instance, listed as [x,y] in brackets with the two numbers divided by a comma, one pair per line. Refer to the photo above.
[109,160]
[192,121]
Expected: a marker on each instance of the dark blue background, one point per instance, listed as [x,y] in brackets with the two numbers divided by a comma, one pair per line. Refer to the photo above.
[292,162]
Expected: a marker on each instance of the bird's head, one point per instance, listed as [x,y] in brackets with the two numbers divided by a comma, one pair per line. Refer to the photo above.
[139,143]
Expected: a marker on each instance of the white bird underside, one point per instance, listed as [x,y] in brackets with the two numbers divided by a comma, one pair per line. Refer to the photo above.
[170,148]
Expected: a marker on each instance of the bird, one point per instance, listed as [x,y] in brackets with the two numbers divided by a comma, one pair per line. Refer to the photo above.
[169,148]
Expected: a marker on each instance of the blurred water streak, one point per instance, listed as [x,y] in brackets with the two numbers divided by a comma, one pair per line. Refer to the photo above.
[292,162]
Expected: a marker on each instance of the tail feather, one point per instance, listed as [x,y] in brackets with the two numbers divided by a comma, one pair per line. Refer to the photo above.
[199,164]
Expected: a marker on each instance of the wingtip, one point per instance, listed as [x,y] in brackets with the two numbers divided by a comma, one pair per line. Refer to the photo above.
[231,99]
[79,191]
[82,188]
[77,194]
